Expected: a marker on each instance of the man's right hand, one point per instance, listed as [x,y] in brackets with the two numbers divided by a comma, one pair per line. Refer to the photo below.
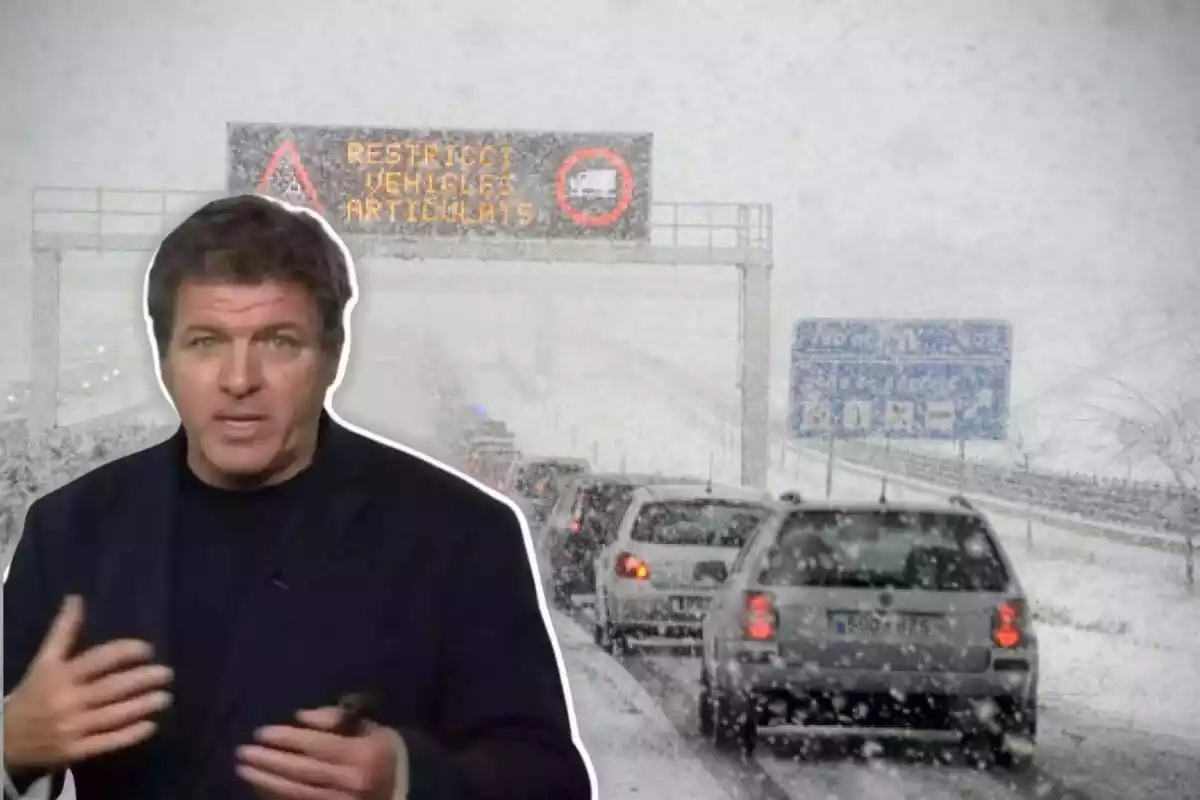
[70,708]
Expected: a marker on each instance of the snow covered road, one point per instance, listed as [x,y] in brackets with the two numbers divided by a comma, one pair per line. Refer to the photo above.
[1119,716]
[634,746]
[1121,663]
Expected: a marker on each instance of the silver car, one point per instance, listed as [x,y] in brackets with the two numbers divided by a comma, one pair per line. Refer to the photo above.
[656,573]
[873,621]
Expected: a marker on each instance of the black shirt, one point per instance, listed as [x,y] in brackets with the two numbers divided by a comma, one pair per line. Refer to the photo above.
[224,542]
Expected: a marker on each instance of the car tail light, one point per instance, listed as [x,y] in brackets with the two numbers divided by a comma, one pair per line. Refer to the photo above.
[630,566]
[761,617]
[1008,624]
[576,525]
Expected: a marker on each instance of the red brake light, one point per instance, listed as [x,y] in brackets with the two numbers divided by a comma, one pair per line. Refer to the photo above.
[630,566]
[762,620]
[576,525]
[1007,624]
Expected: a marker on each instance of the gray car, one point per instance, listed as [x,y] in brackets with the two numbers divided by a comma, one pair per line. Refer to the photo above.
[585,517]
[538,480]
[872,621]
[657,573]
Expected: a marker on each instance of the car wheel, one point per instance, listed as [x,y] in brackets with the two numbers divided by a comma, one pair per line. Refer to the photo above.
[1009,760]
[617,641]
[704,712]
[704,709]
[1013,748]
[561,599]
[733,732]
[601,632]
[605,634]
[610,640]
[603,637]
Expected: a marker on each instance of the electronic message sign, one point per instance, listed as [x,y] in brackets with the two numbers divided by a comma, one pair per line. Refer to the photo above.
[427,182]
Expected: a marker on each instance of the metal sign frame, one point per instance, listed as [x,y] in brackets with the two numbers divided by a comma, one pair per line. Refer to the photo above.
[681,234]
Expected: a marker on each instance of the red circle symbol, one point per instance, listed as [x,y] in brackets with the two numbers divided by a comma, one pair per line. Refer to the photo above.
[623,199]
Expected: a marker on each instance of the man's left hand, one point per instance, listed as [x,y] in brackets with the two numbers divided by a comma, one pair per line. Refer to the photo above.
[314,763]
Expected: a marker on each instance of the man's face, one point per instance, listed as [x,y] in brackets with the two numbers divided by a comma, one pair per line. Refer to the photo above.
[247,372]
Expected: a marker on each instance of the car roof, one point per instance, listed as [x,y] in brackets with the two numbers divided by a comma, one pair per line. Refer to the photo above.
[860,506]
[634,479]
[702,490]
[529,461]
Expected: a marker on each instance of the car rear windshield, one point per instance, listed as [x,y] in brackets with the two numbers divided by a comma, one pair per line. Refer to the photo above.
[604,505]
[906,550]
[706,523]
[539,478]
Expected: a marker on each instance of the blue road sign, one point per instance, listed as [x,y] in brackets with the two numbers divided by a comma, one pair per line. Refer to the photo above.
[908,379]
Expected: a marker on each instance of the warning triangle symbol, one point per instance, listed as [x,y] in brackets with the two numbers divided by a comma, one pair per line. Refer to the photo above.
[285,178]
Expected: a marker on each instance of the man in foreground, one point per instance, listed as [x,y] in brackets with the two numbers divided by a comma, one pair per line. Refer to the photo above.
[182,622]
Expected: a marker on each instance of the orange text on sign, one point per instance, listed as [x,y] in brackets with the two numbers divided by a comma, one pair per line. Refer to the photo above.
[430,154]
[439,211]
[435,183]
[448,184]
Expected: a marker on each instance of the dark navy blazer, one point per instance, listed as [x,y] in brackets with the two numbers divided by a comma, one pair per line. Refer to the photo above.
[402,579]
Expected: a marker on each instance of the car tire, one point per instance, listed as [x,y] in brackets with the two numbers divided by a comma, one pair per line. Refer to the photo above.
[1008,760]
[986,750]
[705,714]
[617,641]
[733,733]
[607,636]
[562,599]
[603,636]
[704,707]
[1023,726]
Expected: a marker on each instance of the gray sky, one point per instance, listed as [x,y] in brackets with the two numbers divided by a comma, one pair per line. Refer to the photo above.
[1038,159]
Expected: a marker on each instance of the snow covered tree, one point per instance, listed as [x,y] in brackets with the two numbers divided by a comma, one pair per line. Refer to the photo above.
[1161,428]
[1169,435]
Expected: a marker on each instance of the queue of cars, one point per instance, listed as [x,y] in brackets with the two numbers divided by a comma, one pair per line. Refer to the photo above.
[484,446]
[536,479]
[872,620]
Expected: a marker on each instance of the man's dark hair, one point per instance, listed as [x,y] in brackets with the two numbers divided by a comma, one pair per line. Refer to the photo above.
[249,239]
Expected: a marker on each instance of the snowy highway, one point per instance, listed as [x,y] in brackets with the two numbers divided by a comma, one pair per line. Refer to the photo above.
[1114,725]
[610,225]
[1118,719]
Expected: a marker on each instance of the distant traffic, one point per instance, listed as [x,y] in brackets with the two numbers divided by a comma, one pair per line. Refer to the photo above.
[814,619]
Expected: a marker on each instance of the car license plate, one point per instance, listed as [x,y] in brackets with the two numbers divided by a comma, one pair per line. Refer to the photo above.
[903,625]
[686,605]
